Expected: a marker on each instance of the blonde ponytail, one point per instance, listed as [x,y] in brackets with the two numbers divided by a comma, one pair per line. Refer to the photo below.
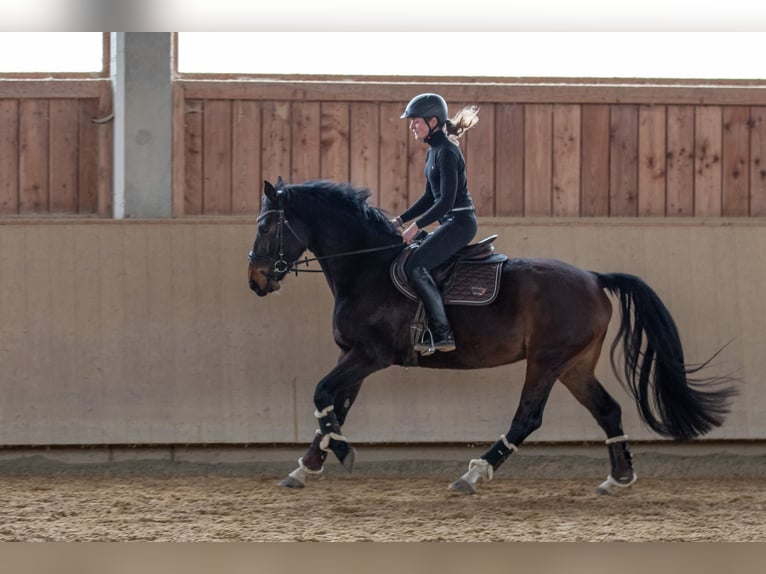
[464,120]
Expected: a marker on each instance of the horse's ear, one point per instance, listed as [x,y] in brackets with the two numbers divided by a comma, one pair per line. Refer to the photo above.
[269,191]
[280,183]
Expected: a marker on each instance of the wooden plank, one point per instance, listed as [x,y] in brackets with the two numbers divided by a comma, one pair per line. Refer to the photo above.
[736,153]
[246,157]
[334,140]
[33,156]
[707,161]
[179,146]
[623,161]
[46,89]
[9,156]
[87,288]
[275,153]
[509,160]
[480,169]
[566,159]
[680,161]
[364,147]
[497,90]
[105,155]
[305,141]
[39,260]
[538,146]
[135,348]
[594,189]
[87,157]
[64,338]
[652,159]
[193,142]
[394,163]
[217,158]
[758,162]
[63,137]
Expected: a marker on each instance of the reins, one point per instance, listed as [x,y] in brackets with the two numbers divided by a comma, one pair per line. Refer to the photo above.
[307,260]
[281,266]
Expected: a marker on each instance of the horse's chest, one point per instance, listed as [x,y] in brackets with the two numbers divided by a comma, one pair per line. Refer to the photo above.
[352,322]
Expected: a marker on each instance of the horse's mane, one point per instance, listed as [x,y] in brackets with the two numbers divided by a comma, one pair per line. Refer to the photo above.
[345,201]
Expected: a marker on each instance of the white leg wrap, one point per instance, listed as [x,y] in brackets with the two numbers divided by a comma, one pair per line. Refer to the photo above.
[478,470]
[305,470]
[324,444]
[325,411]
[509,445]
[614,439]
[610,485]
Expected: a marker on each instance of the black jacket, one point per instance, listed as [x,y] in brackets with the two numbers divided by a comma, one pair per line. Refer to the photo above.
[446,184]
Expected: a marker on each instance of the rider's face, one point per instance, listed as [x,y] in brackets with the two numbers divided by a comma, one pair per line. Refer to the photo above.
[420,129]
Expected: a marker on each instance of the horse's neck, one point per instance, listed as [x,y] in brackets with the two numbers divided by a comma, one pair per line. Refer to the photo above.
[352,275]
[347,274]
[348,278]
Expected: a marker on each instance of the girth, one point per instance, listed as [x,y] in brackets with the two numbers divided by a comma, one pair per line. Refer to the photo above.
[470,277]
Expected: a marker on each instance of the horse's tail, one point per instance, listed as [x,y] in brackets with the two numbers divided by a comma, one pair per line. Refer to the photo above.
[672,404]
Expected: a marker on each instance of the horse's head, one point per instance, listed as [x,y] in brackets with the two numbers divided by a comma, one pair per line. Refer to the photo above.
[277,244]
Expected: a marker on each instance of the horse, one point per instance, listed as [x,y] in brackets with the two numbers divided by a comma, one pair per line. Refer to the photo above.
[548,312]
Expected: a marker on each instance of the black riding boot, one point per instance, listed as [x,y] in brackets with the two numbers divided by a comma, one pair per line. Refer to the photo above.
[441,333]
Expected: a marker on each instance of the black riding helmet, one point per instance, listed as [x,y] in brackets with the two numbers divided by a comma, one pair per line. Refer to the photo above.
[427,106]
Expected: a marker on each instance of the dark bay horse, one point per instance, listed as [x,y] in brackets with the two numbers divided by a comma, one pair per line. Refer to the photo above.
[548,312]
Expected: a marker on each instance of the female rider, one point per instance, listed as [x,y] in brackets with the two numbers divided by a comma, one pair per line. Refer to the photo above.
[446,200]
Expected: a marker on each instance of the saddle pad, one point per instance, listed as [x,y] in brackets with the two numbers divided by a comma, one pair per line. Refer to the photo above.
[468,282]
[473,283]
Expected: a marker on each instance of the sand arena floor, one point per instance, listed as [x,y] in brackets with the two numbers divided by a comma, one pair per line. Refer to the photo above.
[545,497]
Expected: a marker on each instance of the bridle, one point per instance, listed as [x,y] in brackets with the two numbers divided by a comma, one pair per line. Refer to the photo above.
[279,266]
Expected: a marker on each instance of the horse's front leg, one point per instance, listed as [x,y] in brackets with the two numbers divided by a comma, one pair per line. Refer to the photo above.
[333,398]
[313,461]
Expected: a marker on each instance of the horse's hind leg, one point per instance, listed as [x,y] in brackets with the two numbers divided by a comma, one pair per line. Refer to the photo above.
[583,384]
[537,387]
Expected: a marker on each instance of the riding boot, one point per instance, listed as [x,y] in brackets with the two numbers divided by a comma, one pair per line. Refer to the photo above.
[441,337]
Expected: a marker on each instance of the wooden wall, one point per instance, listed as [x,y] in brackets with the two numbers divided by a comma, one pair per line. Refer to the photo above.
[539,150]
[54,158]
[577,150]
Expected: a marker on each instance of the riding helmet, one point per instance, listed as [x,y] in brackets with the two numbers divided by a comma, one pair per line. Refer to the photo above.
[426,106]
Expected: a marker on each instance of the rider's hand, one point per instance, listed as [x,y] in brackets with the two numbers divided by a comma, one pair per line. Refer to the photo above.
[409,234]
[396,222]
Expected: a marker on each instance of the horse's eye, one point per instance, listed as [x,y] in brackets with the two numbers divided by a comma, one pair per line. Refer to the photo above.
[263,227]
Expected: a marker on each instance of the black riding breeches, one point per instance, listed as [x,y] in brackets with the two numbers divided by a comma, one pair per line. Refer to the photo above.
[454,232]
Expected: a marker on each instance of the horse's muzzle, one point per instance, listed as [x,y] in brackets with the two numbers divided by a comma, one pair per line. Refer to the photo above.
[262,282]
[269,287]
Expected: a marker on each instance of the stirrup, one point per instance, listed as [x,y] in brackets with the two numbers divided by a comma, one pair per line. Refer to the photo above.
[429,348]
[423,347]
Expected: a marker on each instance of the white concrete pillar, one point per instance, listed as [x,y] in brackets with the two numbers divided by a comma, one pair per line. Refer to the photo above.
[143,142]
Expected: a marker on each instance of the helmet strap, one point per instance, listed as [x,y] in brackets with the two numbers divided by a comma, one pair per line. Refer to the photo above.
[432,129]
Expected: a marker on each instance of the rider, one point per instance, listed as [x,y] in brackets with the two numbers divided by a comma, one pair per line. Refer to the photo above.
[446,200]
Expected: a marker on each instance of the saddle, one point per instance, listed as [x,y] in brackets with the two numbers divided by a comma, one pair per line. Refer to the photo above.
[470,277]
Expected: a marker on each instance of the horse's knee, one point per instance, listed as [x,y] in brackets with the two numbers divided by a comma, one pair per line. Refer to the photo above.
[323,398]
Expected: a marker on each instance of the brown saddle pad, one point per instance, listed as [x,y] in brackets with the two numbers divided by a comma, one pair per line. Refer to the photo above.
[472,277]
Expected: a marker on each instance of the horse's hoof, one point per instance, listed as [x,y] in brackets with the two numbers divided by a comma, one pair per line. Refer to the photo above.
[610,485]
[291,482]
[462,486]
[349,460]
